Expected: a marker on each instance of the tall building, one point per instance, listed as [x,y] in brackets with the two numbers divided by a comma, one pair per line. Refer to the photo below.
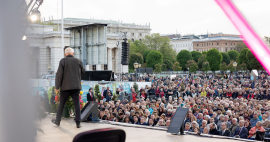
[45,43]
[222,42]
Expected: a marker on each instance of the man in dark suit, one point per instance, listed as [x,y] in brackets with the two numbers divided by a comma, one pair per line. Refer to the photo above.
[241,131]
[68,79]
[107,95]
[224,131]
[213,130]
[90,96]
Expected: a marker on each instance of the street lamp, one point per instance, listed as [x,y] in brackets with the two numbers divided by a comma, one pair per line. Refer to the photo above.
[136,65]
[49,67]
[235,65]
[139,70]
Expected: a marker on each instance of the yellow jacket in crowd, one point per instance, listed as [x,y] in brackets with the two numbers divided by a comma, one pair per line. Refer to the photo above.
[203,94]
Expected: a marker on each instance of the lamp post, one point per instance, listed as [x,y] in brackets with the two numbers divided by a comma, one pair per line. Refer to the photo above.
[136,65]
[188,70]
[139,70]
[49,67]
[235,65]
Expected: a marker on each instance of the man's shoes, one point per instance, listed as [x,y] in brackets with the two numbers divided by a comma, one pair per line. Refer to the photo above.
[56,123]
[78,125]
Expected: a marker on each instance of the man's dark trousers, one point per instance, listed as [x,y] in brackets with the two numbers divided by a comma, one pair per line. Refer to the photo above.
[76,100]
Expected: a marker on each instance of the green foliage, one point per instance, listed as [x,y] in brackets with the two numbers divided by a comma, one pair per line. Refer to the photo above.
[158,67]
[168,62]
[226,58]
[233,55]
[240,46]
[135,57]
[231,67]
[243,57]
[204,52]
[145,53]
[137,47]
[192,65]
[201,60]
[135,86]
[153,58]
[96,92]
[252,62]
[214,58]
[223,66]
[242,66]
[196,55]
[267,39]
[161,44]
[176,67]
[182,57]
[206,66]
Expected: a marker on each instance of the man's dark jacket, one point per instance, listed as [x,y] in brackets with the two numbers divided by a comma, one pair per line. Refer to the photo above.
[214,132]
[226,133]
[89,98]
[243,132]
[68,76]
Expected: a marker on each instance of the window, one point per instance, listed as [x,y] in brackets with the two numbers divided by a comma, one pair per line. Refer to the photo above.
[226,43]
[217,43]
[212,43]
[231,43]
[94,67]
[207,44]
[140,39]
[197,44]
[140,34]
[105,67]
[133,34]
[202,44]
[226,49]
[132,39]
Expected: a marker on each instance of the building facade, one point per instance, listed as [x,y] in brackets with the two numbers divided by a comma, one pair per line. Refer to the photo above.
[222,42]
[45,43]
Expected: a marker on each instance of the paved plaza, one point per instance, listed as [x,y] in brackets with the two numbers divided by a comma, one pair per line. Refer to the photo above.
[67,131]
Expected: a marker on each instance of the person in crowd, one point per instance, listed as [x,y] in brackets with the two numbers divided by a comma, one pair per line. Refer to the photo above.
[108,94]
[213,130]
[188,127]
[224,131]
[241,131]
[234,125]
[254,120]
[135,118]
[206,130]
[143,121]
[204,124]
[254,131]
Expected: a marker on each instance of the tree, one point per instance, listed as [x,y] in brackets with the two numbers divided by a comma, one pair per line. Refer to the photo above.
[243,57]
[201,60]
[96,89]
[192,65]
[137,47]
[162,44]
[153,58]
[206,66]
[145,53]
[233,55]
[204,52]
[252,62]
[176,67]
[182,57]
[168,62]
[158,67]
[135,57]
[135,86]
[242,66]
[231,67]
[240,46]
[223,67]
[226,58]
[196,55]
[214,58]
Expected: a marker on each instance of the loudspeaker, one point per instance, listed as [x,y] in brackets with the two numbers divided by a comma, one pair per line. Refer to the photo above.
[98,76]
[101,135]
[90,107]
[177,122]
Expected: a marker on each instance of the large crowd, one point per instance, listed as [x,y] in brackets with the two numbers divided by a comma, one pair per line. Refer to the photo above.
[231,105]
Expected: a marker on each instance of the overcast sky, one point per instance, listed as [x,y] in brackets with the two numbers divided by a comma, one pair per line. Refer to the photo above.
[165,16]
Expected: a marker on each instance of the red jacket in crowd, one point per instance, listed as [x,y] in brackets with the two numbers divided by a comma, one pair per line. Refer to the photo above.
[157,92]
[252,96]
[229,95]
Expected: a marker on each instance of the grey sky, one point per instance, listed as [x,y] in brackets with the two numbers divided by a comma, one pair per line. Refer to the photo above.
[165,16]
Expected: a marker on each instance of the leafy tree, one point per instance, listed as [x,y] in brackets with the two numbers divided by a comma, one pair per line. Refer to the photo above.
[242,66]
[252,62]
[196,55]
[168,62]
[204,52]
[214,58]
[243,57]
[240,46]
[201,60]
[226,58]
[233,55]
[231,67]
[182,57]
[162,44]
[137,47]
[223,67]
[97,93]
[176,67]
[206,66]
[192,65]
[135,86]
[135,57]
[153,58]
[158,67]
[145,53]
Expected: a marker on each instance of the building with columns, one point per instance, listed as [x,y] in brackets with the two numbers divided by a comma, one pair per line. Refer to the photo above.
[222,42]
[45,44]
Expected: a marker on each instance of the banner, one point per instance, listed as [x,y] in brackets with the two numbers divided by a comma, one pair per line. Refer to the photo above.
[126,87]
[85,89]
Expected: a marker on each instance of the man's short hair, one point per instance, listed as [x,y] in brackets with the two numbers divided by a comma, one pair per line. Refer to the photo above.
[69,50]
[90,89]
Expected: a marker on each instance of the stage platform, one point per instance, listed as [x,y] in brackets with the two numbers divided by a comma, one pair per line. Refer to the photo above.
[67,130]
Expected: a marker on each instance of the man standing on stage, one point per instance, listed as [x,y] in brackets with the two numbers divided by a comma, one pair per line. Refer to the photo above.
[68,79]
